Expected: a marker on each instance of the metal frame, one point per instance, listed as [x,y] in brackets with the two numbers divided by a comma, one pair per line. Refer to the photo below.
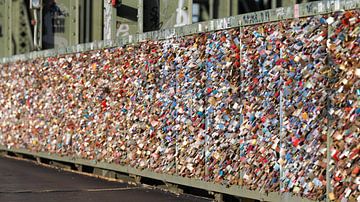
[5,20]
[298,10]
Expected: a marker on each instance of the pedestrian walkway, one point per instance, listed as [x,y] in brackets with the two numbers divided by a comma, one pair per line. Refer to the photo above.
[26,181]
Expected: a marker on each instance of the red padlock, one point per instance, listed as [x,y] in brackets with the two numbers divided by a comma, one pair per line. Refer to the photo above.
[114,3]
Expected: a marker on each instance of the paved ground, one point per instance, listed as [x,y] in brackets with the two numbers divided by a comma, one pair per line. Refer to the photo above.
[25,181]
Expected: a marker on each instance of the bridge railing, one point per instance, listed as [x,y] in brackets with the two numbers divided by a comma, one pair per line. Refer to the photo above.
[262,105]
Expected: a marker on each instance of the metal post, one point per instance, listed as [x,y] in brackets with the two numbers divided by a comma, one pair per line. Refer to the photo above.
[328,157]
[273,4]
[36,27]
[281,134]
[37,12]
[242,104]
[140,16]
[88,21]
[211,9]
[224,9]
[189,7]
[5,23]
[75,21]
[10,28]
[234,6]
[41,25]
[206,117]
[97,20]
[329,132]
[15,20]
[107,21]
[286,3]
[82,22]
[177,129]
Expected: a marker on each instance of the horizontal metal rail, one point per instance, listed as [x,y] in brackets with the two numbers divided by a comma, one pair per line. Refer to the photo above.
[210,186]
[296,11]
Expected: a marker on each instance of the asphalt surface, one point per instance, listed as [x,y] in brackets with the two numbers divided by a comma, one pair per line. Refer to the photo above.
[26,181]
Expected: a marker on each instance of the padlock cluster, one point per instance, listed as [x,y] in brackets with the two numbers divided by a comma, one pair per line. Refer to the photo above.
[271,107]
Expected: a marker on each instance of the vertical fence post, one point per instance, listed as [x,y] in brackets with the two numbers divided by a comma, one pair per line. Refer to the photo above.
[328,155]
[176,123]
[281,144]
[329,131]
[206,173]
[242,103]
[206,117]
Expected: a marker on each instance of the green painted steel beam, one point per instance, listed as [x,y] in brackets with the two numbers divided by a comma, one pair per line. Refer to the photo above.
[21,31]
[306,9]
[224,8]
[288,2]
[83,21]
[189,4]
[67,31]
[15,21]
[6,28]
[97,20]
[211,9]
[140,16]
[168,13]
[109,22]
[234,6]
[273,4]
[74,22]
[126,18]
[121,20]
[175,13]
[26,28]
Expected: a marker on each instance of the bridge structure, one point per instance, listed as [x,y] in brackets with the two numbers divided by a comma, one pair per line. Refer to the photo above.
[262,106]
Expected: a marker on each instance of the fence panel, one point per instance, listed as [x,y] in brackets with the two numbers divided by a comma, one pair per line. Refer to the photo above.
[343,49]
[255,107]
